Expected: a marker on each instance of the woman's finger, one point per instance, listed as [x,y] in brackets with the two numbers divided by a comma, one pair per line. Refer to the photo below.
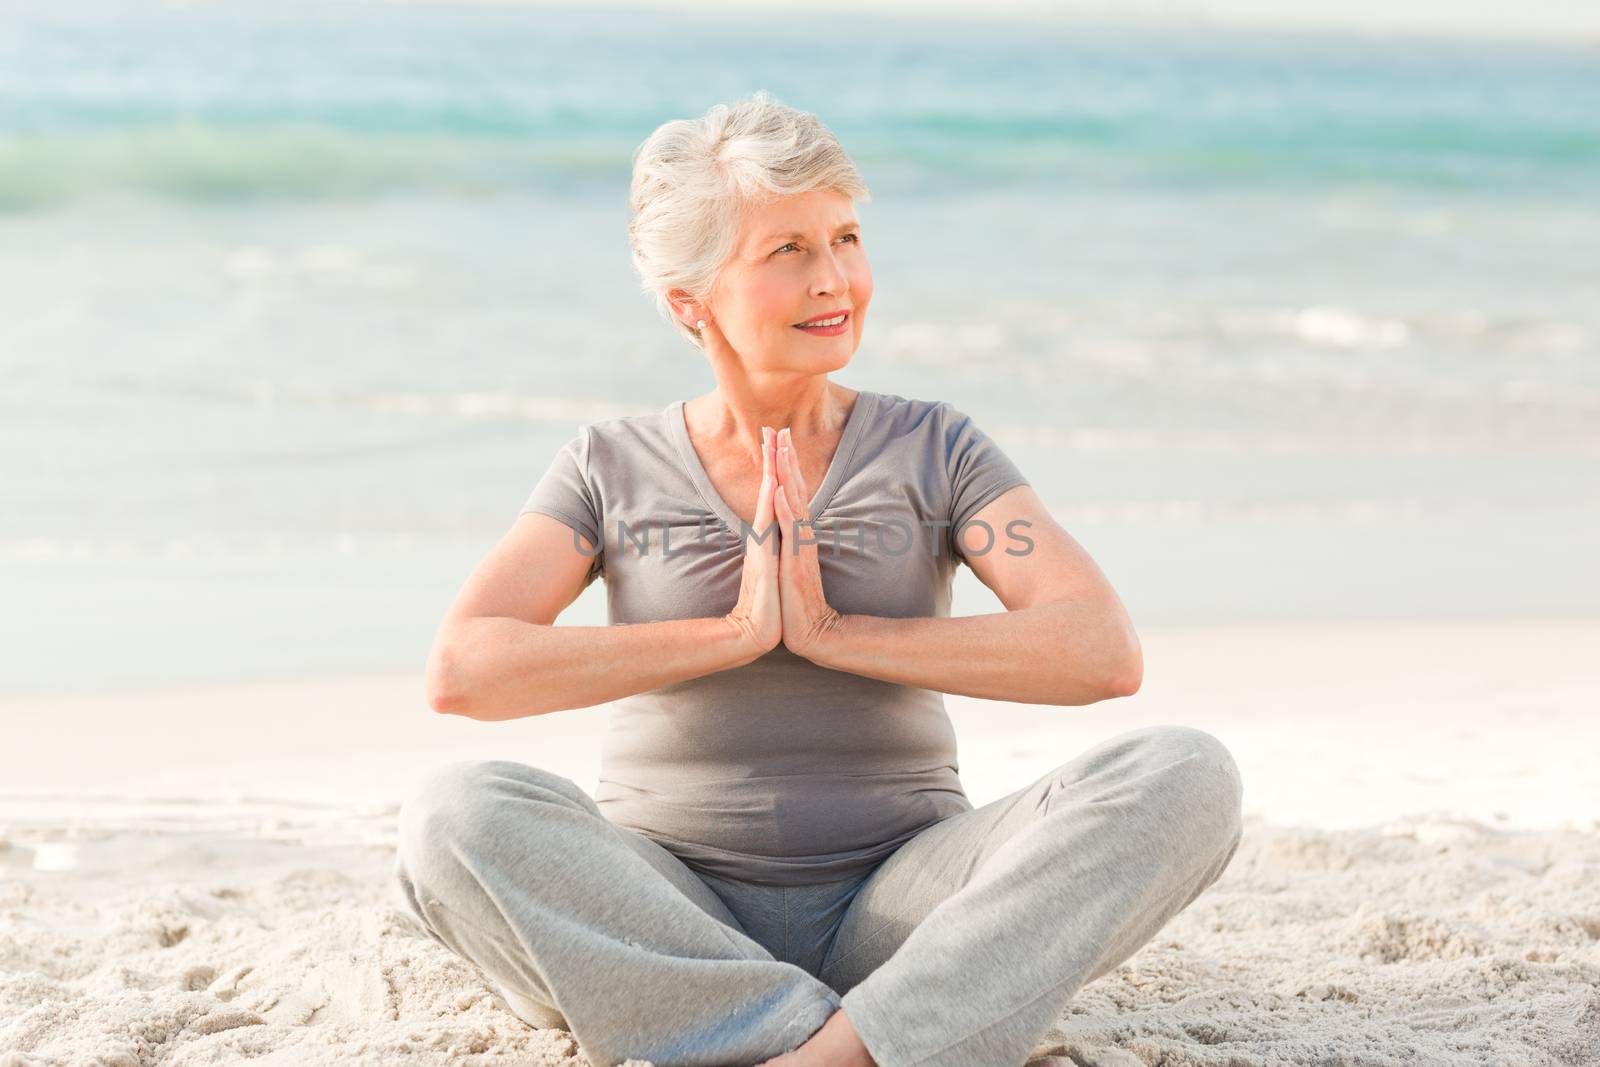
[793,489]
[774,483]
[794,530]
[793,466]
[780,504]
[787,523]
[764,502]
[783,469]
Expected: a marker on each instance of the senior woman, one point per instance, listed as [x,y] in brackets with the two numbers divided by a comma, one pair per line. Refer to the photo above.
[780,864]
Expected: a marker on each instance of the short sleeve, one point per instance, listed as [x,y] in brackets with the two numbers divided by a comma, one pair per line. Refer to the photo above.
[565,492]
[979,471]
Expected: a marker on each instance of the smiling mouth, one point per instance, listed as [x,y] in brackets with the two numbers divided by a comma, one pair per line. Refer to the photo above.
[827,322]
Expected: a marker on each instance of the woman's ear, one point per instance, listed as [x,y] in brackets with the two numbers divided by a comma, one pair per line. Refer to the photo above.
[685,307]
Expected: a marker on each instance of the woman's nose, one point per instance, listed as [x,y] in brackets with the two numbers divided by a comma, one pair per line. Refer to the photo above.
[831,279]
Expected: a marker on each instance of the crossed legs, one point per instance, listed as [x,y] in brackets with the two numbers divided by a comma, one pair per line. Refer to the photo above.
[960,950]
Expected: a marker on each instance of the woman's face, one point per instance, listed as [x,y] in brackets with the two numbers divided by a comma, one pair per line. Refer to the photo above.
[795,258]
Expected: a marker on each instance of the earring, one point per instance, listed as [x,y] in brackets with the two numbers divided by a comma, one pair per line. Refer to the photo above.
[700,325]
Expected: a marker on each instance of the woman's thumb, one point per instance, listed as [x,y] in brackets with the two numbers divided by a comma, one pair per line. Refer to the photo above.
[769,481]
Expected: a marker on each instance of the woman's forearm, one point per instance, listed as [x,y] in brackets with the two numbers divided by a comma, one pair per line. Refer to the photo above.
[503,668]
[1066,652]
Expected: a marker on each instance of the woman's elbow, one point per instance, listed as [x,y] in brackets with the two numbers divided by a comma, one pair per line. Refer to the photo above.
[1128,675]
[443,693]
[1127,684]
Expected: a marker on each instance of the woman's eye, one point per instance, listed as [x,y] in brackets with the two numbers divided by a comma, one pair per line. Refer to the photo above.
[856,237]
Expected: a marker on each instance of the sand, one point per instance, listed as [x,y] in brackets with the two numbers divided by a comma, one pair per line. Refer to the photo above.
[202,876]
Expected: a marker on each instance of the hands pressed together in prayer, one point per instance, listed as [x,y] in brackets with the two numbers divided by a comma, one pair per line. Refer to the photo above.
[780,592]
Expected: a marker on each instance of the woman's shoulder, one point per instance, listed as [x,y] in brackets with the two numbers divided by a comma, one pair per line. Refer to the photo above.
[623,424]
[904,414]
[626,440]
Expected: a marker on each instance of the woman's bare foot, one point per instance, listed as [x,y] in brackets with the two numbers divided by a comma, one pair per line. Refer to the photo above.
[835,1045]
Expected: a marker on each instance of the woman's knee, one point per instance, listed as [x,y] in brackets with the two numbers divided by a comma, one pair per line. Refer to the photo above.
[463,800]
[1207,769]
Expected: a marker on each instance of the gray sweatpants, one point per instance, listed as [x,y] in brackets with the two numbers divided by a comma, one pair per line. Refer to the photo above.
[960,949]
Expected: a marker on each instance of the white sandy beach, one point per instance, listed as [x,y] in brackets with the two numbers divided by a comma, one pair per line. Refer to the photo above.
[201,876]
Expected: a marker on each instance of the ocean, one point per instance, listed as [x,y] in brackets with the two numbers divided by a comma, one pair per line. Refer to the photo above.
[297,302]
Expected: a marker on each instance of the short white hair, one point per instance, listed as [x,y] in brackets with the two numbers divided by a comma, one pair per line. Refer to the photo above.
[693,178]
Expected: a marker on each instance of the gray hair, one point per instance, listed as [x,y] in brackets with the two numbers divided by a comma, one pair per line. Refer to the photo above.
[692,178]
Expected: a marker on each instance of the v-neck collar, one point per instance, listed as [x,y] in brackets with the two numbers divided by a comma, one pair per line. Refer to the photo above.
[678,429]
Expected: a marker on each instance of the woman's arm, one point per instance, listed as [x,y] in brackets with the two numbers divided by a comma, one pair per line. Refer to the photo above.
[499,655]
[1062,652]
[505,668]
[1064,638]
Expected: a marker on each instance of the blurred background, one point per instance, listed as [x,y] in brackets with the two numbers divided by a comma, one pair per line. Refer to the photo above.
[1287,320]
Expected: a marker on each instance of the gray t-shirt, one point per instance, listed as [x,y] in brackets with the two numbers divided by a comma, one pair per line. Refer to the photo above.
[780,772]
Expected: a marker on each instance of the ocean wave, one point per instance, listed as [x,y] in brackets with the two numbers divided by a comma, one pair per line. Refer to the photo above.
[1277,403]
[202,102]
[1302,346]
[199,161]
[564,409]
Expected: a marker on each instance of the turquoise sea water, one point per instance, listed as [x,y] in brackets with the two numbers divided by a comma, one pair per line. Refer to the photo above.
[298,300]
[296,101]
